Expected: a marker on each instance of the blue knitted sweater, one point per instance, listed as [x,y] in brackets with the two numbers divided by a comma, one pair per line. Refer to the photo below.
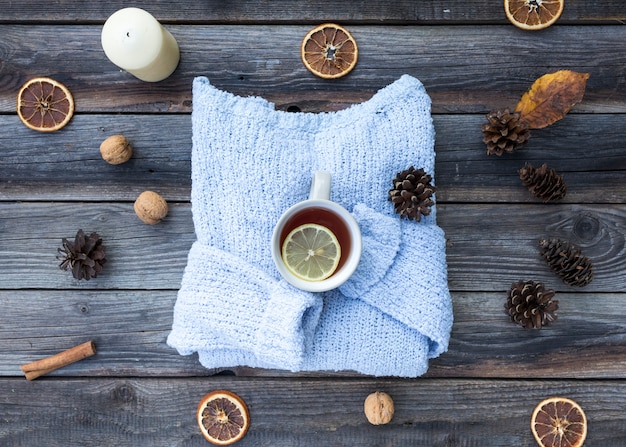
[251,162]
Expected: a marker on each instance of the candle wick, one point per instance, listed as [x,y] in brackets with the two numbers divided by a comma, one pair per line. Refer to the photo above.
[128,34]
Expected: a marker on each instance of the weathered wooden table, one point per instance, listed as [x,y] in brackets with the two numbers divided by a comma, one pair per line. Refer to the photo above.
[137,391]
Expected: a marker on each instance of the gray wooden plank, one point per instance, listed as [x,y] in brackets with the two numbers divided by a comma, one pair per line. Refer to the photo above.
[130,329]
[139,256]
[285,11]
[586,341]
[489,245]
[67,166]
[488,249]
[466,69]
[161,412]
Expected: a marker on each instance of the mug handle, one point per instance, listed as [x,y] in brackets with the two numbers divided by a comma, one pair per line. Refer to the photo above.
[320,186]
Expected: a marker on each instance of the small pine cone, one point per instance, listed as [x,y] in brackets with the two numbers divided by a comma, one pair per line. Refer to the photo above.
[504,131]
[567,261]
[85,256]
[412,194]
[531,305]
[543,182]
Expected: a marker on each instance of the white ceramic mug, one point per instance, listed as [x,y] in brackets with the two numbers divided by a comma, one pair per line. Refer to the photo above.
[319,209]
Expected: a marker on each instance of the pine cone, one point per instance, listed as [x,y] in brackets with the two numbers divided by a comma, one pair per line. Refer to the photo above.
[543,182]
[567,261]
[85,256]
[531,305]
[504,131]
[412,194]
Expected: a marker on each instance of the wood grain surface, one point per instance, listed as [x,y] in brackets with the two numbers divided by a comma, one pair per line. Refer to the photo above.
[435,413]
[587,149]
[486,67]
[136,391]
[285,11]
[489,245]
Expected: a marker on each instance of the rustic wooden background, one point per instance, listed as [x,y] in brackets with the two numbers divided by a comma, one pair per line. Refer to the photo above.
[137,391]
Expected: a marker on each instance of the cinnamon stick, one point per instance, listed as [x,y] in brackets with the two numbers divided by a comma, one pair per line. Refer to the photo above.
[44,366]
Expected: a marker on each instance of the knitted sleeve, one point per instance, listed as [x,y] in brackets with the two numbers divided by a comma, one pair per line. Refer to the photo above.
[230,296]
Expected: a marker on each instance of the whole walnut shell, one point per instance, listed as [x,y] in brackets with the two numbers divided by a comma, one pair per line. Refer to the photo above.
[116,150]
[150,207]
[378,408]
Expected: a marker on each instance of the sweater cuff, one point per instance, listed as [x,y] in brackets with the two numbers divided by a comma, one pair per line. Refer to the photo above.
[411,286]
[226,303]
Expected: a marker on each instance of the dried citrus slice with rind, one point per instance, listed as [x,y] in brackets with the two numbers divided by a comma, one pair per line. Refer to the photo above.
[223,417]
[44,104]
[533,14]
[311,252]
[559,422]
[329,51]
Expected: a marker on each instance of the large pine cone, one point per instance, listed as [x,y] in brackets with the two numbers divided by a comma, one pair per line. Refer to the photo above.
[567,261]
[85,256]
[412,194]
[531,305]
[543,182]
[504,131]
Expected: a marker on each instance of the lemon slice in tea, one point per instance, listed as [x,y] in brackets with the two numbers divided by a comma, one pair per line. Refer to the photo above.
[44,104]
[311,252]
[559,422]
[329,51]
[223,417]
[533,14]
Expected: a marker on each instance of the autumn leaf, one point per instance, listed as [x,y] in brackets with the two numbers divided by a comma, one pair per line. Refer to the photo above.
[551,97]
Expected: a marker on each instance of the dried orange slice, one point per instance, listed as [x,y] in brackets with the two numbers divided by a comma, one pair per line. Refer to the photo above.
[533,14]
[559,422]
[45,105]
[329,51]
[223,417]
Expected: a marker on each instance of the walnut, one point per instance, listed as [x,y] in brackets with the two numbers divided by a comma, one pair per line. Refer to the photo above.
[150,207]
[116,150]
[378,408]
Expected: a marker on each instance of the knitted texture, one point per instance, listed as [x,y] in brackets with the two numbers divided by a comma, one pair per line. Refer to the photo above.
[251,162]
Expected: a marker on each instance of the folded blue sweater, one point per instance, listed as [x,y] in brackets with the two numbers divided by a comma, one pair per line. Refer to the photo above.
[251,162]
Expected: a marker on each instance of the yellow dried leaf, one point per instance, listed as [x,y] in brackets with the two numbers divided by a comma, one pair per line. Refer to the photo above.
[551,97]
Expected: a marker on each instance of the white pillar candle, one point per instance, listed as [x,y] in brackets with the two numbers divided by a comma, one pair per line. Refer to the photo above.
[136,42]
